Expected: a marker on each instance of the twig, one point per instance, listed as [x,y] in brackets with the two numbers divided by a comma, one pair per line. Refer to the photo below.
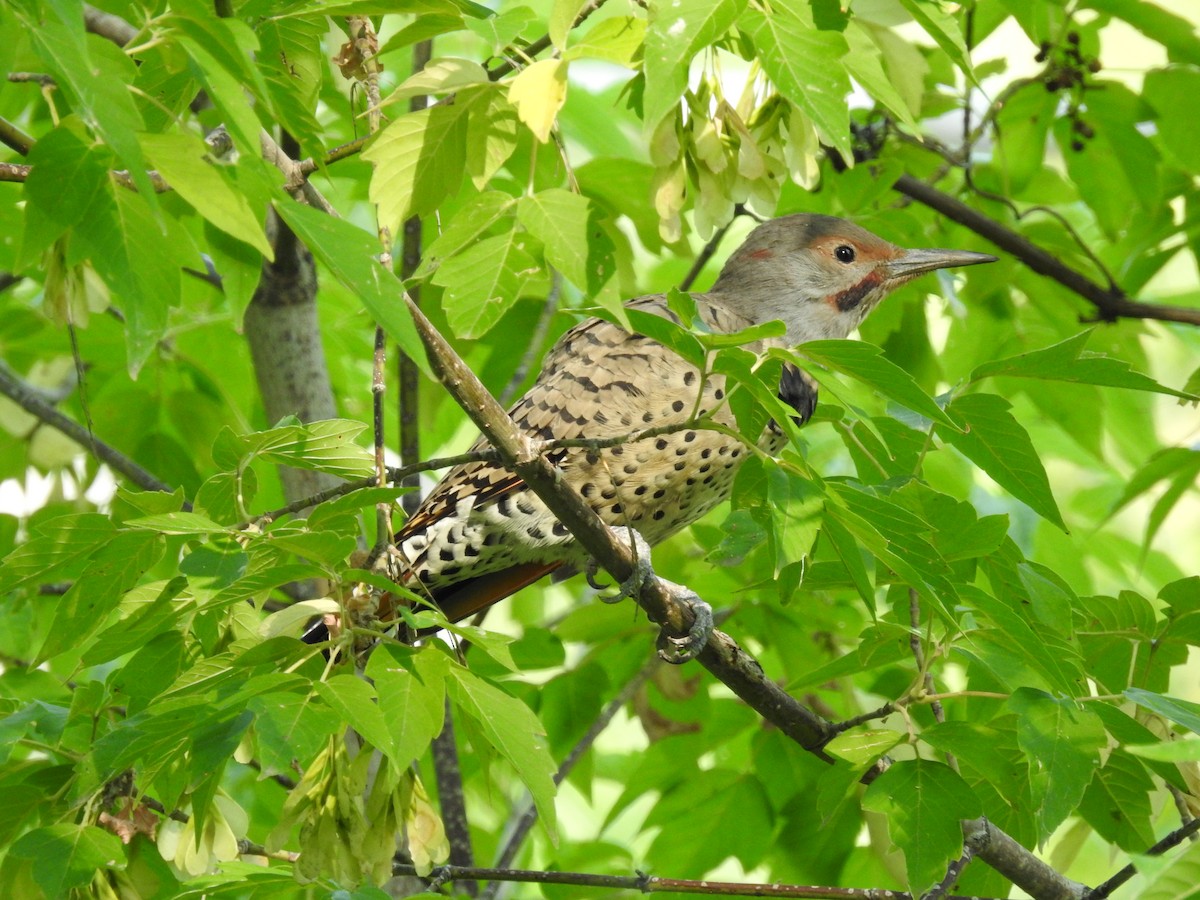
[1110,304]
[14,137]
[953,872]
[28,398]
[863,718]
[652,884]
[702,258]
[1176,837]
[533,48]
[394,476]
[452,800]
[46,81]
[529,816]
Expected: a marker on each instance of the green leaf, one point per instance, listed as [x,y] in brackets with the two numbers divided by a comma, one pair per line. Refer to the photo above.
[924,802]
[1067,361]
[484,281]
[419,160]
[354,701]
[288,728]
[1063,741]
[1185,750]
[618,40]
[1181,712]
[1175,33]
[440,76]
[412,693]
[676,31]
[514,731]
[737,811]
[179,158]
[179,523]
[866,363]
[1168,91]
[95,76]
[63,155]
[562,19]
[147,284]
[475,218]
[68,856]
[944,29]
[84,609]
[806,66]
[1172,878]
[861,748]
[293,67]
[1178,466]
[350,255]
[864,65]
[997,443]
[1117,802]
[58,550]
[574,243]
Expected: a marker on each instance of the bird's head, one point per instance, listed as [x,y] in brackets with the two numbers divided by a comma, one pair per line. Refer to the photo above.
[821,275]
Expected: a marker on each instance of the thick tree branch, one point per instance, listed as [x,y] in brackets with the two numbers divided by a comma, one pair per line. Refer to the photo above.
[30,400]
[721,656]
[1110,305]
[521,454]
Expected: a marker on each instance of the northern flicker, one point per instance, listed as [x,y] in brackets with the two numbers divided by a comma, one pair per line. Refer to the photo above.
[481,535]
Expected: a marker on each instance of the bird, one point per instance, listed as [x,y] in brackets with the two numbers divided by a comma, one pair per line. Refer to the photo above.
[482,535]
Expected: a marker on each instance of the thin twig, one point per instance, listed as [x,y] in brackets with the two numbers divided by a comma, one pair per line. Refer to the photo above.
[706,253]
[13,137]
[653,884]
[528,817]
[1176,837]
[953,873]
[395,475]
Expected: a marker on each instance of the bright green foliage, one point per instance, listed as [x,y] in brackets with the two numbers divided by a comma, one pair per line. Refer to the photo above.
[994,505]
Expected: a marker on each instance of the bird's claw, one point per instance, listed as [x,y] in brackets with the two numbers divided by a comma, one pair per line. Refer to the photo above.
[674,649]
[642,570]
[678,650]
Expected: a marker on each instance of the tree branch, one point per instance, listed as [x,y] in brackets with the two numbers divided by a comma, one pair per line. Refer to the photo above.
[653,884]
[740,672]
[1176,837]
[528,817]
[30,400]
[1110,304]
[14,137]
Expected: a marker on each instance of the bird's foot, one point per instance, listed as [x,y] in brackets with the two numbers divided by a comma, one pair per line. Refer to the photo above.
[671,648]
[642,570]
[678,650]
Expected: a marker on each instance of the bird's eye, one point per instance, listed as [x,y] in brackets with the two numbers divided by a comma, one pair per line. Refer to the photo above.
[844,253]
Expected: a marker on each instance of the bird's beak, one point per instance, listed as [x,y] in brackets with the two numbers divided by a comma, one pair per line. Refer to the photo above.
[911,263]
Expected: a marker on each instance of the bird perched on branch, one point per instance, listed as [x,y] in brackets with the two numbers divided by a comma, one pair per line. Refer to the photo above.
[482,535]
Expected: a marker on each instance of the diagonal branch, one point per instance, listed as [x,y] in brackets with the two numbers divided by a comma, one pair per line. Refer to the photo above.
[728,662]
[28,398]
[1110,304]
